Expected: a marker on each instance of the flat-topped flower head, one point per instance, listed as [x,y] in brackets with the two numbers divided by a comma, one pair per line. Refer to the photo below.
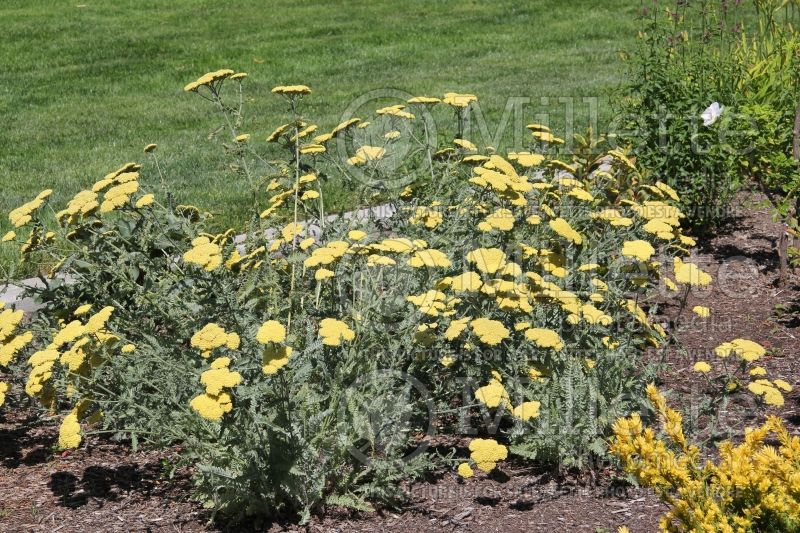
[562,227]
[397,111]
[690,274]
[746,349]
[465,144]
[212,407]
[344,126]
[638,249]
[487,453]
[291,90]
[465,471]
[488,260]
[20,216]
[271,331]
[493,394]
[491,332]
[545,338]
[527,410]
[204,253]
[209,79]
[526,159]
[211,337]
[427,100]
[334,332]
[366,154]
[275,357]
[69,434]
[459,100]
[219,378]
[429,259]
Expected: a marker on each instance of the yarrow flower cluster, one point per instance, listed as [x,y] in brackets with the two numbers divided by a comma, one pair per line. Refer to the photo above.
[276,354]
[217,399]
[213,336]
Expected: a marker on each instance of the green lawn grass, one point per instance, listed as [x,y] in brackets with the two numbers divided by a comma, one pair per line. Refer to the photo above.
[83,87]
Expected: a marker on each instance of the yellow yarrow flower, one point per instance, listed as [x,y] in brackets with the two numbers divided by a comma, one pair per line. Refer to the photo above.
[423,100]
[4,387]
[459,100]
[501,219]
[365,154]
[746,349]
[545,338]
[217,379]
[465,144]
[118,195]
[209,79]
[490,332]
[426,216]
[639,249]
[493,395]
[275,357]
[465,471]
[488,260]
[291,90]
[487,453]
[271,331]
[429,259]
[98,321]
[9,320]
[527,410]
[211,337]
[562,227]
[212,407]
[333,332]
[204,253]
[323,274]
[690,274]
[702,367]
[526,159]
[20,216]
[69,434]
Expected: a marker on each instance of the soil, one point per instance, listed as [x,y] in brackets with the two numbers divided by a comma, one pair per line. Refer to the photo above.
[106,487]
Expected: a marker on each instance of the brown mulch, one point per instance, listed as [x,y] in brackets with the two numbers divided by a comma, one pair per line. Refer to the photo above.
[747,300]
[107,487]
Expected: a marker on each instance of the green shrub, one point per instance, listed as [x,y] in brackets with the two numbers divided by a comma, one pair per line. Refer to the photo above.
[742,56]
[685,61]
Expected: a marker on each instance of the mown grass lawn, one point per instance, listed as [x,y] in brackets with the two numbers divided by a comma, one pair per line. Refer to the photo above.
[85,84]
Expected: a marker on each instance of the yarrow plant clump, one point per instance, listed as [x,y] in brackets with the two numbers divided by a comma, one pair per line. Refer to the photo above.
[510,287]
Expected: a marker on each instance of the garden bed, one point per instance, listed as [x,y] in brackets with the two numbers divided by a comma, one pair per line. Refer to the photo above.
[105,487]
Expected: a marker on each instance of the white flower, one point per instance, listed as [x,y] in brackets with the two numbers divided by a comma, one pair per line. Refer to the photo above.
[712,113]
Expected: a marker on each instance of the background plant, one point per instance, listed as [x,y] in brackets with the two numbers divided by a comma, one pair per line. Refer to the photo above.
[740,55]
